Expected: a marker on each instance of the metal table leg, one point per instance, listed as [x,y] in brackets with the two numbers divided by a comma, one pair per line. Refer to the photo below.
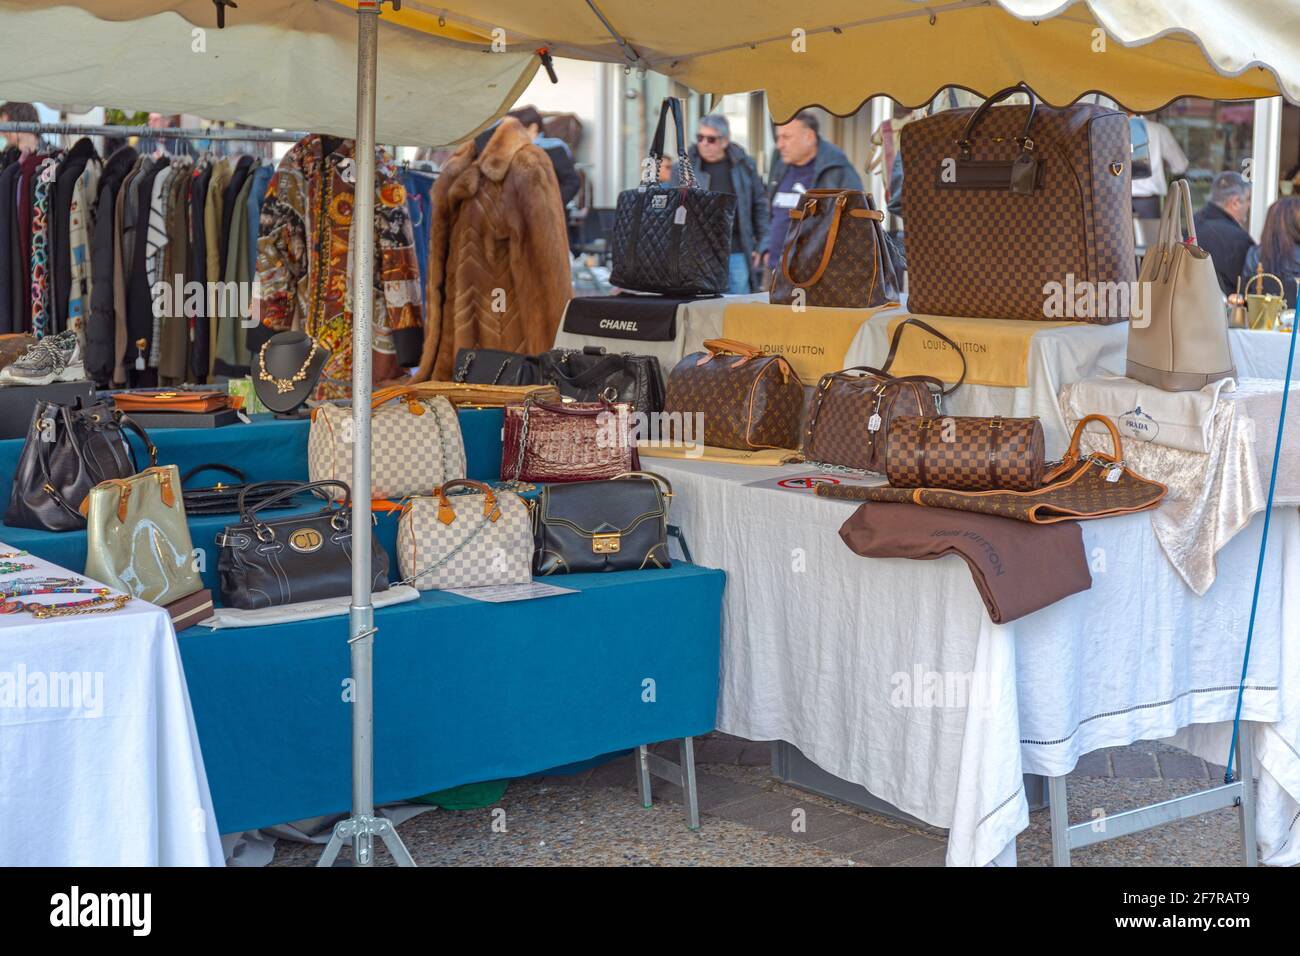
[682,774]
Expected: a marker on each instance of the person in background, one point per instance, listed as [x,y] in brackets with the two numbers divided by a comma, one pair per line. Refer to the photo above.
[666,163]
[1165,152]
[21,113]
[1278,250]
[557,149]
[804,161]
[721,166]
[1221,227]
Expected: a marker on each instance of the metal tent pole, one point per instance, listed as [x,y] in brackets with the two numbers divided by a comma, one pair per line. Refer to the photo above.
[363,826]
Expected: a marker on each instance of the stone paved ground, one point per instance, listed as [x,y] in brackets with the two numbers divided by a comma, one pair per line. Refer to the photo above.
[593,818]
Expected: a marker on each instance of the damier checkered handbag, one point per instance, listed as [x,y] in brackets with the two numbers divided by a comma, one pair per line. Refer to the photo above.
[852,409]
[1076,488]
[1001,202]
[415,443]
[465,540]
[965,454]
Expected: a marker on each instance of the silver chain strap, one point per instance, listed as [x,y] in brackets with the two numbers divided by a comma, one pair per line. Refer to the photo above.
[411,579]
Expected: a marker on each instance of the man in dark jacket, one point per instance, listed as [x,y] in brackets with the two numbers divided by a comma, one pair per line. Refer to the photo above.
[1220,227]
[723,167]
[804,161]
[556,149]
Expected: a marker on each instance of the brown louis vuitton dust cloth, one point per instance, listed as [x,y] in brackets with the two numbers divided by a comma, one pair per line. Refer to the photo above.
[1017,568]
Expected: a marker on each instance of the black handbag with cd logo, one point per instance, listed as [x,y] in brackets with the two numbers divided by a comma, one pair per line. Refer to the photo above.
[267,563]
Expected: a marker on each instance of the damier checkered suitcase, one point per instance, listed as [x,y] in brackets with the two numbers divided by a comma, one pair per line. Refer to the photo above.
[1001,203]
[965,454]
[465,540]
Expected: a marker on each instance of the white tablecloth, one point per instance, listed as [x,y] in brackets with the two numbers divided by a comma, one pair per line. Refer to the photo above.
[105,768]
[1261,354]
[839,654]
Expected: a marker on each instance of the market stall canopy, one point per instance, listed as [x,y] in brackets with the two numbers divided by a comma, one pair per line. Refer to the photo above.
[1142,53]
[289,64]
[450,66]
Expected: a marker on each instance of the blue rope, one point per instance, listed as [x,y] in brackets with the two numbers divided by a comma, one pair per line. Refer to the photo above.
[1263,548]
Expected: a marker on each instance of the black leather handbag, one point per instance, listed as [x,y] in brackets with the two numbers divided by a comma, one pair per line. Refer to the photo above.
[223,499]
[495,367]
[297,558]
[69,450]
[616,525]
[592,374]
[673,240]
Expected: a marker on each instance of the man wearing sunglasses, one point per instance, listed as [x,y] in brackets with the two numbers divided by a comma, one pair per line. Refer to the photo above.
[724,167]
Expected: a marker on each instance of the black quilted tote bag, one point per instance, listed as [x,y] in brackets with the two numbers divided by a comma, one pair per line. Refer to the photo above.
[673,240]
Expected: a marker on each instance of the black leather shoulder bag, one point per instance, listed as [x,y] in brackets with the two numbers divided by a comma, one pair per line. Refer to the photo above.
[223,499]
[69,450]
[495,367]
[298,558]
[673,240]
[593,374]
[616,525]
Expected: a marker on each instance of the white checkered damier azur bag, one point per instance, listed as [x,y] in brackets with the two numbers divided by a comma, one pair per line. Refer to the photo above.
[465,541]
[415,443]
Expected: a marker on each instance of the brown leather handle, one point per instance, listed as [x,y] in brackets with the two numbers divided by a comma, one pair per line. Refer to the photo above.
[1116,444]
[810,207]
[1024,140]
[925,326]
[445,512]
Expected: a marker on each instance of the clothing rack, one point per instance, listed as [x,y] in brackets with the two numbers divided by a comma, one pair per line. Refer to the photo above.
[170,132]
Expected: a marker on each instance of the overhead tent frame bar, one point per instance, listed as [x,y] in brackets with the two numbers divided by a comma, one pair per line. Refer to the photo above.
[168,132]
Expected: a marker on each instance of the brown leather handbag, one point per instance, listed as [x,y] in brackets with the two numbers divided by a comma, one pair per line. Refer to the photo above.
[835,253]
[965,454]
[748,399]
[1002,202]
[1077,488]
[852,409]
[176,400]
[573,441]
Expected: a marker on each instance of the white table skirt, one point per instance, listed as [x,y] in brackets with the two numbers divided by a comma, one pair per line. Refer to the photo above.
[105,768]
[839,655]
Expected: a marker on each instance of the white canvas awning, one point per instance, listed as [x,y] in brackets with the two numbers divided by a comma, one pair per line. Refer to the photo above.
[290,64]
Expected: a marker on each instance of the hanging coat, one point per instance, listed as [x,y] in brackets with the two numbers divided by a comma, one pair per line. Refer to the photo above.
[498,252]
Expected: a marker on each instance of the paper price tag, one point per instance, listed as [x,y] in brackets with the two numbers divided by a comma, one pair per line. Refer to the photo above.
[679,217]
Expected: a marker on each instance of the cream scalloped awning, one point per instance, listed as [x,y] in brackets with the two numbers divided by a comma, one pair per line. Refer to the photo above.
[447,67]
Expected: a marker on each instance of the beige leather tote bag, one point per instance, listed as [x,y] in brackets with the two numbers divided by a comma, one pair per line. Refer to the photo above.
[1178,334]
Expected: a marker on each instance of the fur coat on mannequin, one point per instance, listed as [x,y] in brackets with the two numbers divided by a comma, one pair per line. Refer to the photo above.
[498,252]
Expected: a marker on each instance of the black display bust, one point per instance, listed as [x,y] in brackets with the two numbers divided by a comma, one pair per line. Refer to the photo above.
[285,372]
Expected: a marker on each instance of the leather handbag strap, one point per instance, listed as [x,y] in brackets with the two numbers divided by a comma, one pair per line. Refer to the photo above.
[1023,139]
[447,515]
[925,326]
[213,466]
[716,347]
[246,514]
[1072,454]
[409,393]
[665,486]
[810,209]
[597,373]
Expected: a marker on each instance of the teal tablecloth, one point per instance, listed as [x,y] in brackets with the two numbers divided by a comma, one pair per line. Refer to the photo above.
[465,691]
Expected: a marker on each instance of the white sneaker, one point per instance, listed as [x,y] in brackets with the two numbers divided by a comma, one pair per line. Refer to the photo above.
[55,358]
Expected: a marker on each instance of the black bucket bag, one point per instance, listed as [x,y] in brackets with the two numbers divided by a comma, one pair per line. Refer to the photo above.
[69,450]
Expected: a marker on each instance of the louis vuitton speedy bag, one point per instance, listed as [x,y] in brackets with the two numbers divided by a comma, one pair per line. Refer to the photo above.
[748,399]
[965,454]
[415,443]
[465,540]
